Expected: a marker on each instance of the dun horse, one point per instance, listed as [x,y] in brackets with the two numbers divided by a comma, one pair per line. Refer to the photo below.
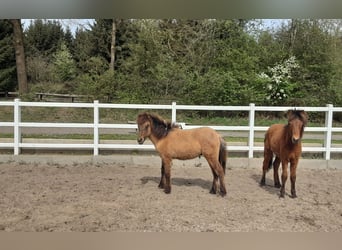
[284,141]
[171,142]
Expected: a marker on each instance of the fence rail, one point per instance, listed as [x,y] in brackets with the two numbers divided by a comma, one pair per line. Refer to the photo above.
[95,146]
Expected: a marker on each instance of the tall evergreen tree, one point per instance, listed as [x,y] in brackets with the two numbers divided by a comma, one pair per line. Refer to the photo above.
[81,49]
[101,38]
[8,74]
[43,37]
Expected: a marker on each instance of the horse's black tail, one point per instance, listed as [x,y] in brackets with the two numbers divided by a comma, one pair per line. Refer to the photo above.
[223,154]
[270,164]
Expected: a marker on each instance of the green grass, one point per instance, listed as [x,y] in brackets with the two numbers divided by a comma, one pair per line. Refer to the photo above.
[47,114]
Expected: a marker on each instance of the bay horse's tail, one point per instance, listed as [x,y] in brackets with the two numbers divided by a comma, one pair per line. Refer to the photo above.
[267,151]
[223,154]
[270,164]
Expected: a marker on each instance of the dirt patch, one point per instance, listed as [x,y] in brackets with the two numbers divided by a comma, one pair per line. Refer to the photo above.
[84,197]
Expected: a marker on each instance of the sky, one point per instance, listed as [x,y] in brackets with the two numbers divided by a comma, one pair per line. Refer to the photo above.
[73,24]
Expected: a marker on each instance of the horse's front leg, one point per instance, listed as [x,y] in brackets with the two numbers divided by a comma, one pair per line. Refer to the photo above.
[284,164]
[162,178]
[293,169]
[167,175]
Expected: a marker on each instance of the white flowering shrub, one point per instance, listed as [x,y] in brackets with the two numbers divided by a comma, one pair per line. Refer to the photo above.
[277,82]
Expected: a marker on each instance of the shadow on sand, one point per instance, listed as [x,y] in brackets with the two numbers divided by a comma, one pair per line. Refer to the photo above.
[269,187]
[205,184]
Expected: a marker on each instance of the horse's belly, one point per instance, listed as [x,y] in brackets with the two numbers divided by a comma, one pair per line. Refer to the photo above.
[185,154]
[180,151]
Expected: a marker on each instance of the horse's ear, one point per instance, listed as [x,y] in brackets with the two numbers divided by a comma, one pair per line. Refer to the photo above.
[288,113]
[304,116]
[144,116]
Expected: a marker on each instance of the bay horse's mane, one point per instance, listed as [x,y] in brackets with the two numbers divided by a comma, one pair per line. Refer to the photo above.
[160,127]
[300,114]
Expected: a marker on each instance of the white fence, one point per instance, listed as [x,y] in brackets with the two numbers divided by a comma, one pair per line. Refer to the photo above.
[17,144]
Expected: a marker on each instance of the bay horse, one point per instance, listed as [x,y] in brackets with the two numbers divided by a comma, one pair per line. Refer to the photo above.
[172,142]
[284,141]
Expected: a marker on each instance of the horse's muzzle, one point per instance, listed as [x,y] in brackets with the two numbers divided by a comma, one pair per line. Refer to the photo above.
[141,140]
[295,140]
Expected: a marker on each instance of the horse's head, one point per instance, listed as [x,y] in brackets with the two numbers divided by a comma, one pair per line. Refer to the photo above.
[144,123]
[297,120]
[149,124]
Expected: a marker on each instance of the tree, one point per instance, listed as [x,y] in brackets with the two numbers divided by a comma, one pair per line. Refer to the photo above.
[109,38]
[20,55]
[100,38]
[278,85]
[64,65]
[313,47]
[8,74]
[81,49]
[112,45]
[42,41]
[44,38]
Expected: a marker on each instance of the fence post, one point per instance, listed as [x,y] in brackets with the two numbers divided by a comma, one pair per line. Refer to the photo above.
[174,111]
[328,125]
[96,128]
[17,130]
[251,130]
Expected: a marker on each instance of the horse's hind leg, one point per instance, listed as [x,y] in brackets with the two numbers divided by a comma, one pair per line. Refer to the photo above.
[218,173]
[276,164]
[213,189]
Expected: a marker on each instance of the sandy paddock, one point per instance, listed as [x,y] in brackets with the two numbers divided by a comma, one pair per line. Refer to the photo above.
[123,197]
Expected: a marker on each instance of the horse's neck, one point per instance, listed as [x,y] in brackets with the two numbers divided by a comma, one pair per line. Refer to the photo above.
[154,139]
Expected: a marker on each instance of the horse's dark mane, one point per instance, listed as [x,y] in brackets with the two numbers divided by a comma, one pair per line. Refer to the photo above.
[300,114]
[160,127]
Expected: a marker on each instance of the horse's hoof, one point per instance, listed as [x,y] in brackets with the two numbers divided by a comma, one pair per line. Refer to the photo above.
[212,191]
[277,185]
[282,192]
[167,191]
[223,194]
[161,186]
[293,195]
[262,182]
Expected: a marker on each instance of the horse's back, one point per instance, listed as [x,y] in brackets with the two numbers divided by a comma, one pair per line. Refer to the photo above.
[207,135]
[276,130]
[190,143]
[202,135]
[273,137]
